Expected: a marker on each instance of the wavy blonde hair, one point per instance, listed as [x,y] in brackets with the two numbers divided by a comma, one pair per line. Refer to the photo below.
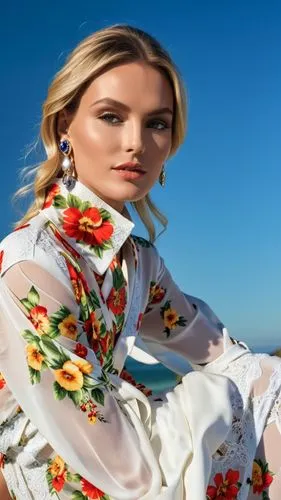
[96,54]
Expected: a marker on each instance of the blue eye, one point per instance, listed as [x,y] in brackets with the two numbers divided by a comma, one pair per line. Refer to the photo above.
[158,124]
[110,118]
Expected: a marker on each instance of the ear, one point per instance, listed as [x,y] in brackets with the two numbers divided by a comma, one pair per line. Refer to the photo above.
[63,122]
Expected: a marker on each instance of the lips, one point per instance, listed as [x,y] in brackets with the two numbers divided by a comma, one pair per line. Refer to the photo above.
[130,167]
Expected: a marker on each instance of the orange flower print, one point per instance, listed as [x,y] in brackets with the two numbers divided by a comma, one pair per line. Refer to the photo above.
[58,471]
[53,191]
[227,487]
[69,376]
[171,318]
[261,477]
[39,318]
[91,491]
[116,301]
[81,350]
[68,327]
[1,259]
[156,293]
[88,226]
[2,381]
[34,357]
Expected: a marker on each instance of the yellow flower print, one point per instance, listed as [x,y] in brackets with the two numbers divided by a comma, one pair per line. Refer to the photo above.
[170,318]
[84,366]
[57,466]
[69,376]
[92,418]
[68,327]
[34,357]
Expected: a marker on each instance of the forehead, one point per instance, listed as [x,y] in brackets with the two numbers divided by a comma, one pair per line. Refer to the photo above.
[136,84]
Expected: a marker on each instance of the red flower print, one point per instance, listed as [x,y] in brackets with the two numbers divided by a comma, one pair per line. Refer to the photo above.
[21,227]
[261,476]
[1,259]
[2,381]
[58,482]
[224,488]
[90,490]
[88,226]
[39,318]
[156,293]
[106,343]
[78,282]
[139,321]
[2,460]
[66,245]
[141,387]
[81,350]
[116,301]
[53,191]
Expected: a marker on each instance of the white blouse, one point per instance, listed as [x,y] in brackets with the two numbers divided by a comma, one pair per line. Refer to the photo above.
[73,423]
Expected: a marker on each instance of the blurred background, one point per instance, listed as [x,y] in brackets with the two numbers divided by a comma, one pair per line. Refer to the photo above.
[223,189]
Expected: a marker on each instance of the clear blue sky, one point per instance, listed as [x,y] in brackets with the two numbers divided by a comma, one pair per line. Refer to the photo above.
[223,188]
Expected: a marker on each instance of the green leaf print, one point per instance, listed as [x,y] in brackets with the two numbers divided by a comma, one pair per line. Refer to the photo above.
[77,495]
[94,299]
[106,216]
[33,297]
[55,358]
[85,205]
[35,376]
[59,201]
[59,392]
[73,201]
[76,397]
[118,278]
[27,305]
[55,319]
[89,383]
[73,478]
[98,396]
[29,337]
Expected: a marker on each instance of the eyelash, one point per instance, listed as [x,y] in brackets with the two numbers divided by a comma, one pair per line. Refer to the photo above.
[107,117]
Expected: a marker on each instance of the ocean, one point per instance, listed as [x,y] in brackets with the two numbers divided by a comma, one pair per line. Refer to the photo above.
[159,378]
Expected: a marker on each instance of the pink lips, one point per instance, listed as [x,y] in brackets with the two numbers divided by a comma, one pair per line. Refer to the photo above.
[130,170]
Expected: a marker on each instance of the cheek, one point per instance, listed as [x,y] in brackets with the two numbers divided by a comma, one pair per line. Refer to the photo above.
[90,135]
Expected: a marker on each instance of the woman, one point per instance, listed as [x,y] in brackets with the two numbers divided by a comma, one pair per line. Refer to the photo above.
[77,288]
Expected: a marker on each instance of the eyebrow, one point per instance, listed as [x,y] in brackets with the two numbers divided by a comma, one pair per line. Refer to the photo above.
[113,102]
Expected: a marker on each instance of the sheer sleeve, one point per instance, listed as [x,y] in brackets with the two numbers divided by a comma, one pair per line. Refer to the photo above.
[180,330]
[84,414]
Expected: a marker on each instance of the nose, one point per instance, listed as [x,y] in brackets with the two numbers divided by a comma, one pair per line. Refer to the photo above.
[134,137]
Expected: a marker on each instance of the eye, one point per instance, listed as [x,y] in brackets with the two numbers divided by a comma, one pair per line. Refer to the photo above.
[158,124]
[111,118]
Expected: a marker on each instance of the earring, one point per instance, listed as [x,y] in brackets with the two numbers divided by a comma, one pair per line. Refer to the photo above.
[162,177]
[67,165]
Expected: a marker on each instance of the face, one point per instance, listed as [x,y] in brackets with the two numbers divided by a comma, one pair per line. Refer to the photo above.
[125,115]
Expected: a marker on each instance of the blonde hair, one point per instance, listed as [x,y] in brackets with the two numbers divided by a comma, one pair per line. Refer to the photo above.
[96,54]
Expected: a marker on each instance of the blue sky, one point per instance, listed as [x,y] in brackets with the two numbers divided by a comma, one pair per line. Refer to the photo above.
[223,190]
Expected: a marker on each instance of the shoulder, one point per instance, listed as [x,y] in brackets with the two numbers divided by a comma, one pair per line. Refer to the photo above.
[20,244]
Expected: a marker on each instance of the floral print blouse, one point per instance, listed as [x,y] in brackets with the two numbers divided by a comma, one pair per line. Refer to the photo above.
[74,424]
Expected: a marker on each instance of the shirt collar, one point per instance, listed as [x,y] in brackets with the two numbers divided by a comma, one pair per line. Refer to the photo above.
[91,226]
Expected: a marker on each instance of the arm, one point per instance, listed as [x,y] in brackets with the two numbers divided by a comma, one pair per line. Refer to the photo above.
[63,394]
[4,492]
[181,330]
